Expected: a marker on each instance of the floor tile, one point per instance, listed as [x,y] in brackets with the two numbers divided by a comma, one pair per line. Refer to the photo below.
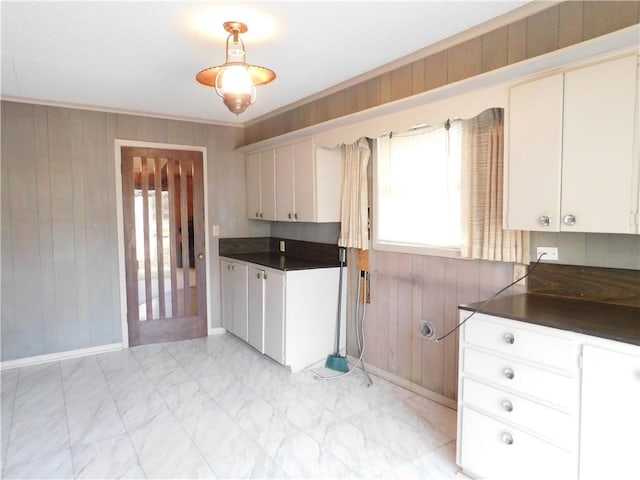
[215,408]
[112,457]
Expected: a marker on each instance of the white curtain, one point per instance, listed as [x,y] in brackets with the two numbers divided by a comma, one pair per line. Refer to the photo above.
[355,197]
[482,179]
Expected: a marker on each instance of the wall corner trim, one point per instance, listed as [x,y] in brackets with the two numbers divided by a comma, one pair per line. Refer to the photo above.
[413,387]
[55,357]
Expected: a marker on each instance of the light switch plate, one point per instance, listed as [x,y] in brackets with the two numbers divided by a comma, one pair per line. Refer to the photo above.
[215,230]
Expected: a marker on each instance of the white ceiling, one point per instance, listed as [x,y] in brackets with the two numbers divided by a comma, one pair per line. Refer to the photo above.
[142,57]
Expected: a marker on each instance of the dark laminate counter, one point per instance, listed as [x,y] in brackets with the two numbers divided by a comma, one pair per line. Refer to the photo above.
[282,262]
[614,322]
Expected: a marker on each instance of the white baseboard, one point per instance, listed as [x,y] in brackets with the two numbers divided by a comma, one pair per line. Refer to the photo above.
[217,331]
[420,390]
[55,357]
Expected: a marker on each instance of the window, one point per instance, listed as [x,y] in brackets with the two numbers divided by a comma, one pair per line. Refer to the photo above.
[417,190]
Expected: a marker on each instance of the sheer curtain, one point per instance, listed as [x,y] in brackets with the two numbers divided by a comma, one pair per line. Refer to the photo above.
[354,212]
[482,166]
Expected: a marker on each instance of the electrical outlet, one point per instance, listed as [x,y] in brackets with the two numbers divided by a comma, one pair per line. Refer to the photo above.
[281,246]
[550,253]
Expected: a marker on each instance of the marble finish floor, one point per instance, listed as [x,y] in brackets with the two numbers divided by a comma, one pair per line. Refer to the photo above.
[214,408]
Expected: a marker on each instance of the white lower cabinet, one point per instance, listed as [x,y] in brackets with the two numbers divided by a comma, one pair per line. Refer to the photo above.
[234,290]
[610,427]
[518,407]
[537,402]
[290,315]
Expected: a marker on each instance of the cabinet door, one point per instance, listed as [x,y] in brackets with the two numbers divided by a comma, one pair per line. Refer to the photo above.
[533,175]
[253,186]
[256,308]
[285,192]
[610,419]
[239,299]
[226,294]
[274,321]
[268,185]
[305,181]
[598,160]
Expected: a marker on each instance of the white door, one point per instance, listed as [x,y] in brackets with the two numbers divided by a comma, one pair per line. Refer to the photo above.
[286,208]
[268,185]
[598,160]
[274,321]
[610,421]
[535,155]
[305,182]
[255,283]
[254,209]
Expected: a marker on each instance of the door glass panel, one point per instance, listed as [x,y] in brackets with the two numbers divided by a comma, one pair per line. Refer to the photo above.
[163,207]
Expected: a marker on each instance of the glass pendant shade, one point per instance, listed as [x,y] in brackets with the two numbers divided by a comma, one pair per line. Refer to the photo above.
[235,81]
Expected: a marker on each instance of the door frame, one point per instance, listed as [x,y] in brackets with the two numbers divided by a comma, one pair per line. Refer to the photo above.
[119,143]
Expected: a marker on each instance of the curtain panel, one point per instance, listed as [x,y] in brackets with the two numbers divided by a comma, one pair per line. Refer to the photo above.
[354,220]
[482,193]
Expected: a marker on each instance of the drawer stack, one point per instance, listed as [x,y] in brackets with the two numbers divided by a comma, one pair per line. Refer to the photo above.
[518,407]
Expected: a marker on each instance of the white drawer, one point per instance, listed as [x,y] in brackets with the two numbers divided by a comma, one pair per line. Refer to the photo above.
[555,425]
[521,340]
[551,387]
[485,451]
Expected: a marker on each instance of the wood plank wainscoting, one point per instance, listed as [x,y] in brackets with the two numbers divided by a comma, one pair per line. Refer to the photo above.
[407,288]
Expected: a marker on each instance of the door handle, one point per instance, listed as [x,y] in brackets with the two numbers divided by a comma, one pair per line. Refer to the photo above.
[200,256]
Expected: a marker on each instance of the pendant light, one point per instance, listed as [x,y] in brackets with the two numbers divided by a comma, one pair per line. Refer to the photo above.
[236,81]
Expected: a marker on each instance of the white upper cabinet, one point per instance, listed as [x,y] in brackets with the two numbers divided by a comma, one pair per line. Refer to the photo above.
[308,181]
[261,186]
[572,164]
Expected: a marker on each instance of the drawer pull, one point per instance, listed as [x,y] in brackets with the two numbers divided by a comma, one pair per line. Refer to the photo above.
[509,338]
[509,373]
[507,405]
[507,438]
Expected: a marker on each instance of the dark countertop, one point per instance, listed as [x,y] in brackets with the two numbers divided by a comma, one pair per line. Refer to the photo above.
[613,322]
[282,262]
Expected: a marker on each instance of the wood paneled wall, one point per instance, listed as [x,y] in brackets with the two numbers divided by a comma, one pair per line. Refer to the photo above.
[408,288]
[554,28]
[60,283]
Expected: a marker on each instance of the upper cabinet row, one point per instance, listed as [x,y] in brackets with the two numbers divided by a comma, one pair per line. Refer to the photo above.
[296,182]
[573,151]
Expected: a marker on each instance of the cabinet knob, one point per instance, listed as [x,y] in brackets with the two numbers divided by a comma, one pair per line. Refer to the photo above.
[544,221]
[509,373]
[289,216]
[507,439]
[257,214]
[261,215]
[507,406]
[509,338]
[295,216]
[258,275]
[569,220]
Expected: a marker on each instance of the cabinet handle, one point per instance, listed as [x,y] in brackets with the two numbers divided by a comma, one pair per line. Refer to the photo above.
[509,338]
[264,275]
[257,214]
[509,373]
[507,438]
[569,220]
[544,221]
[289,216]
[507,405]
[295,216]
[258,275]
[261,215]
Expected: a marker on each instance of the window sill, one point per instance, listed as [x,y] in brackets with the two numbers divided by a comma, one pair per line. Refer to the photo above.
[417,249]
